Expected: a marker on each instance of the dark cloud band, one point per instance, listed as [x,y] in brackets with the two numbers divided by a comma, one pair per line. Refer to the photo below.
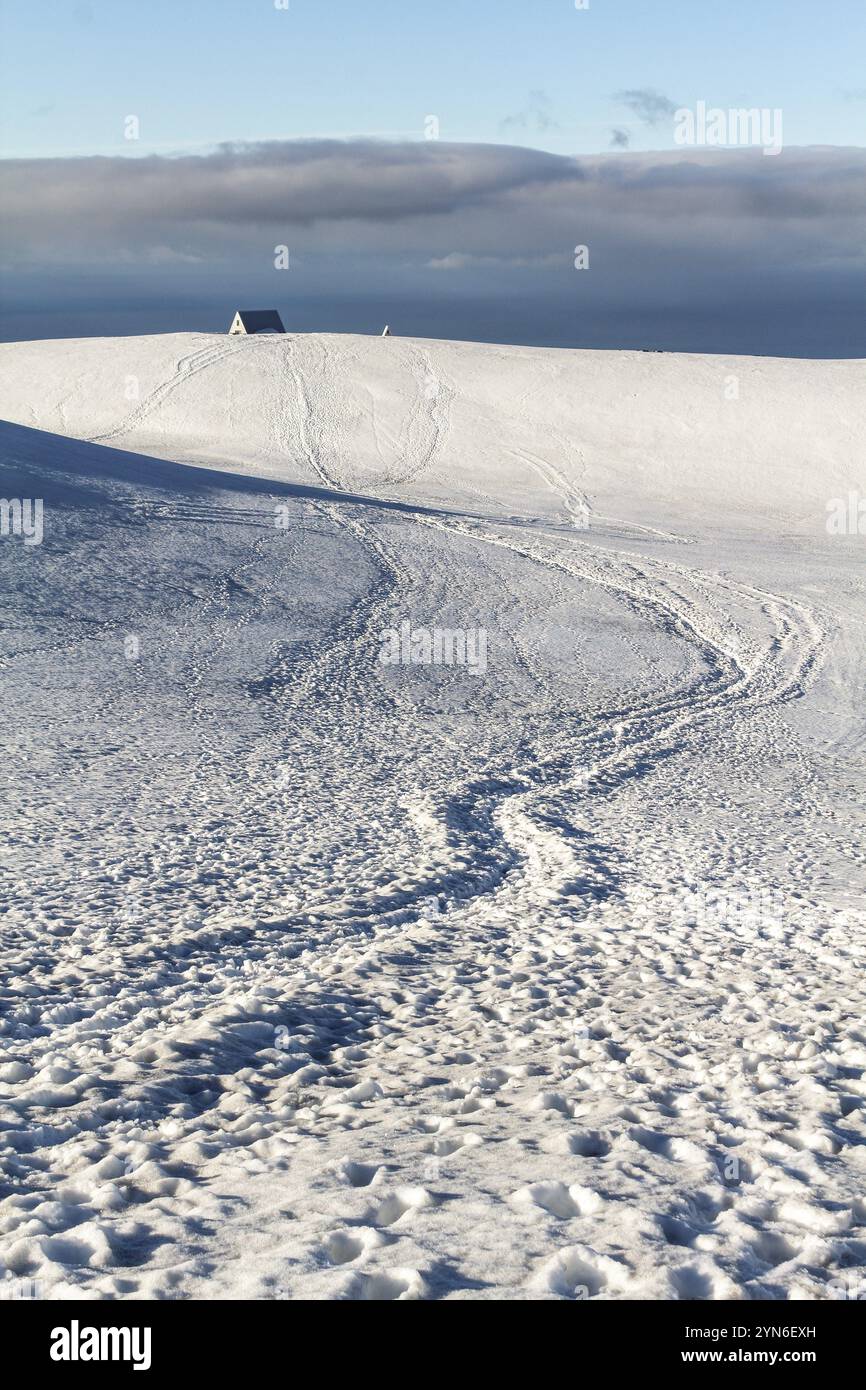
[434,200]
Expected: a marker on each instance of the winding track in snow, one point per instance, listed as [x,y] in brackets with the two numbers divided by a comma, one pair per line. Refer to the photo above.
[742,674]
[185,369]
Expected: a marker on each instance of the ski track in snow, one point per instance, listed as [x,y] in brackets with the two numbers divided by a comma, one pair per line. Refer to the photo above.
[324,981]
[185,369]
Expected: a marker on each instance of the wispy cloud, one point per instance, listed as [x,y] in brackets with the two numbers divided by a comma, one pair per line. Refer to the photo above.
[535,116]
[649,106]
[459,260]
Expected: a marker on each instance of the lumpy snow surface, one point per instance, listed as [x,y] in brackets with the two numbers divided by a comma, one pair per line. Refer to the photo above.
[535,973]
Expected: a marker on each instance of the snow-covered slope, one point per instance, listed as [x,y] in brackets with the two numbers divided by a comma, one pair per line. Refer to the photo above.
[535,976]
[757,438]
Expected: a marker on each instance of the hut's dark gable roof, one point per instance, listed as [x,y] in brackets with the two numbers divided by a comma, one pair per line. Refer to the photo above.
[258,320]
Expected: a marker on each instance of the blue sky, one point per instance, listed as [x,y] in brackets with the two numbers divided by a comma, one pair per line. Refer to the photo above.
[539,72]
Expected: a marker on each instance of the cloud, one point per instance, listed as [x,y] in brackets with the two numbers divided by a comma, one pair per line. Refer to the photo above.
[292,183]
[649,106]
[357,213]
[453,261]
[460,260]
[619,138]
[460,240]
[535,115]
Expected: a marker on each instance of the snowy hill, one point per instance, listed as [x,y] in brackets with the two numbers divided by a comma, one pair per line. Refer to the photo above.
[691,434]
[336,968]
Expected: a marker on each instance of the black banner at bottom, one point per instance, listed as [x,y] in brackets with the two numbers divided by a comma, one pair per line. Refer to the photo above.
[84,1340]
